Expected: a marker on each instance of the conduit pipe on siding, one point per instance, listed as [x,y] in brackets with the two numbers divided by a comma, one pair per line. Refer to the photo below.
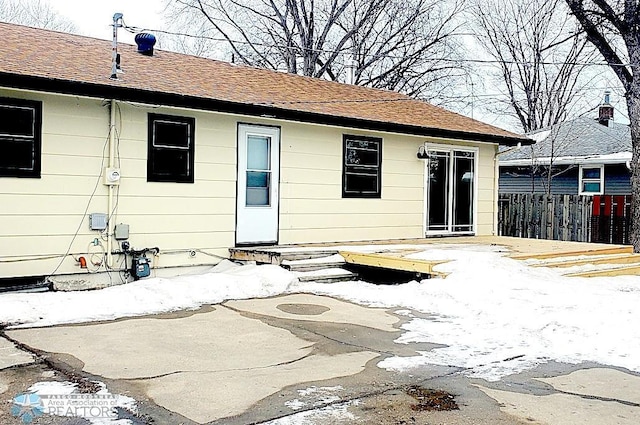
[110,188]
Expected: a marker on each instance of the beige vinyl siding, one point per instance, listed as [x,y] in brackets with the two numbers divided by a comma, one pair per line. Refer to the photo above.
[487,201]
[312,207]
[39,217]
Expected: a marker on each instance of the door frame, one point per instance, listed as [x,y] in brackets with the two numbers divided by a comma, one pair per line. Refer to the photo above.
[257,126]
[450,148]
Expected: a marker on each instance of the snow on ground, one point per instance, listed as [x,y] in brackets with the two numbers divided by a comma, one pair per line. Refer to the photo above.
[335,413]
[314,396]
[225,281]
[496,316]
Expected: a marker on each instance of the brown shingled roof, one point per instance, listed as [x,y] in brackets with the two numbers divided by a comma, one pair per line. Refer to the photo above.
[36,58]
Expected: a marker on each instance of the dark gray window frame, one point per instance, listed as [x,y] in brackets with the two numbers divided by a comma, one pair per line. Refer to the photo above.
[152,149]
[348,192]
[35,139]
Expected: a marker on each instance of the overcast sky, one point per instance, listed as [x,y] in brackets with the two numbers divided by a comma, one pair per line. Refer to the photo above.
[94,18]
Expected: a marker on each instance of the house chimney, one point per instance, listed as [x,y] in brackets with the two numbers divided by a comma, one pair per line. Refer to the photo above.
[605,112]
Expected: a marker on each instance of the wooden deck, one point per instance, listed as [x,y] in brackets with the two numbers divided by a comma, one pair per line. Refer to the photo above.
[307,259]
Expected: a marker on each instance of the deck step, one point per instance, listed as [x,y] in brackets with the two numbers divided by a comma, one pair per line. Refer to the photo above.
[310,267]
[588,251]
[312,264]
[326,276]
[275,255]
[626,270]
[596,260]
[306,254]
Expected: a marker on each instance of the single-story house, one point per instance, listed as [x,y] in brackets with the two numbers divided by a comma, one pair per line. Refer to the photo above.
[187,157]
[584,156]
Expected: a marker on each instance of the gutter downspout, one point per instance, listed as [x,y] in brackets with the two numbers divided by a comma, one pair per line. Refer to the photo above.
[110,188]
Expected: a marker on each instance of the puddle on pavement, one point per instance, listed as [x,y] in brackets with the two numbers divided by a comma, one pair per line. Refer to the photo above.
[303,309]
[431,400]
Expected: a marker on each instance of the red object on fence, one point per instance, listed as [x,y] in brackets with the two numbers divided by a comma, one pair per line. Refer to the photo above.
[619,203]
[607,205]
[595,207]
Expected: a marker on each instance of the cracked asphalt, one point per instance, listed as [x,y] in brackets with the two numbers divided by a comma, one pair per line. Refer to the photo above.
[253,361]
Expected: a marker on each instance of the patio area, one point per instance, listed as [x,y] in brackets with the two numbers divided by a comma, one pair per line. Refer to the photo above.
[340,261]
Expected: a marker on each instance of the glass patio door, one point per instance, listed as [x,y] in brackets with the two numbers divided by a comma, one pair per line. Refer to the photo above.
[450,190]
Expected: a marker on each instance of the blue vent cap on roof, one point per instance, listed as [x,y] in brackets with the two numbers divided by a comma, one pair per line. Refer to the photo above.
[145,42]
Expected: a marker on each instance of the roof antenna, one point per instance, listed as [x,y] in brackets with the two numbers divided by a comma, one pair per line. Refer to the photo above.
[115,57]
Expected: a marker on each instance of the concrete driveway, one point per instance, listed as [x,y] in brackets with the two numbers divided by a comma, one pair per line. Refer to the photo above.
[251,361]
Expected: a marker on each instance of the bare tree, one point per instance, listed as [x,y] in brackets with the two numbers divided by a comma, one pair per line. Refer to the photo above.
[541,57]
[35,13]
[410,46]
[402,45]
[614,29]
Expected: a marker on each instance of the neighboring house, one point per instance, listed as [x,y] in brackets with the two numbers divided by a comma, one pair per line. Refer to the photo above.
[584,156]
[194,156]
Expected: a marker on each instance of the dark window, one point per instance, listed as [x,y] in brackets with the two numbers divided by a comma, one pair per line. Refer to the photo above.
[362,167]
[171,149]
[20,138]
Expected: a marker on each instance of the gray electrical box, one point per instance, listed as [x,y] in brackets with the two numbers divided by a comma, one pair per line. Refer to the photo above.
[97,221]
[122,231]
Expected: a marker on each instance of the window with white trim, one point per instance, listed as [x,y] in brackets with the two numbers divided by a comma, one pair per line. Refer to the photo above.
[20,137]
[591,180]
[171,149]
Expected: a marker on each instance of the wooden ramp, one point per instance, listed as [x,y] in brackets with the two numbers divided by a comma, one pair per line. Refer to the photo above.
[387,261]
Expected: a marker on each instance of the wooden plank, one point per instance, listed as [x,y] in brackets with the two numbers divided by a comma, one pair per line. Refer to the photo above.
[600,251]
[259,256]
[392,262]
[529,218]
[565,218]
[618,271]
[609,259]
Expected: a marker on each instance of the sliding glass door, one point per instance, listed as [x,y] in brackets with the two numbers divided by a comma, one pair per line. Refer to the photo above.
[450,190]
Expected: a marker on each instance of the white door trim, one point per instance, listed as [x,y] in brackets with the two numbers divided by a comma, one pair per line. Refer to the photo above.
[257,224]
[450,149]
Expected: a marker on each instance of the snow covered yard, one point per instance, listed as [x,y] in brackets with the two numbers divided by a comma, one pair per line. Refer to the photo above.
[497,316]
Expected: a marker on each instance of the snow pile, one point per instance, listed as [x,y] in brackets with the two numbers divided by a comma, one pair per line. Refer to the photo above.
[225,281]
[498,316]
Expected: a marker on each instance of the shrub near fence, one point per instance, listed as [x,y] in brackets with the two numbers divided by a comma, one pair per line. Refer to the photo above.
[578,218]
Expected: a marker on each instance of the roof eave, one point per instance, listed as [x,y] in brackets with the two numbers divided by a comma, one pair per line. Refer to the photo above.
[51,85]
[578,160]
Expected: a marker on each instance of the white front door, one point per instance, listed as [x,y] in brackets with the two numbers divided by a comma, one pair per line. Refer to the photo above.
[258,183]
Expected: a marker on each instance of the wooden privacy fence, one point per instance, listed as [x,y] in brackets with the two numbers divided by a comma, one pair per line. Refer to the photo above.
[603,219]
